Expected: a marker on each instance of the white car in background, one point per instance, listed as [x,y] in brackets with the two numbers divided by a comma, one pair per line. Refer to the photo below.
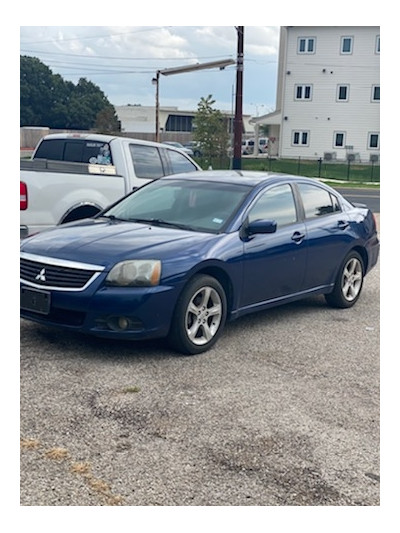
[180,146]
[248,146]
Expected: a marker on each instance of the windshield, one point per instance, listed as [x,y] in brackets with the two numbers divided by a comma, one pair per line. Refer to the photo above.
[196,205]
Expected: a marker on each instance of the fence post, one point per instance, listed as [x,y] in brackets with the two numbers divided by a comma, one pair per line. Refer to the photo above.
[319,166]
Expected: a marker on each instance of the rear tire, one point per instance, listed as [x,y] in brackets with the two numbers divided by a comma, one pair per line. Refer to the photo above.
[349,282]
[199,316]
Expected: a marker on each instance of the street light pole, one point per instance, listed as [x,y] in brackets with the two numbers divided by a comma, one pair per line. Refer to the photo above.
[180,70]
[238,121]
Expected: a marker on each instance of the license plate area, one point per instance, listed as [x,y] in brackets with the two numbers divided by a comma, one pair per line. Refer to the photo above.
[35,300]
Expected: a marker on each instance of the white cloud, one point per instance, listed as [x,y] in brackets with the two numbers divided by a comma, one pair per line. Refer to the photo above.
[122,60]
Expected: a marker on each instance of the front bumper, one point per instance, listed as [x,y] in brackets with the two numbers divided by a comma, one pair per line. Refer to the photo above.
[111,312]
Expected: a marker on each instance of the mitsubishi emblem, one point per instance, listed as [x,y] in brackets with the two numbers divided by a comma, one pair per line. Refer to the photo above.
[41,276]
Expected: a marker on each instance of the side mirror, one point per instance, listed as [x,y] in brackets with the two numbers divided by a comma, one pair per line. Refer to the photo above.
[259,226]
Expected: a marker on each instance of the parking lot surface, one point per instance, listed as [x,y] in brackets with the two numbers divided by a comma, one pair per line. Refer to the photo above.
[284,411]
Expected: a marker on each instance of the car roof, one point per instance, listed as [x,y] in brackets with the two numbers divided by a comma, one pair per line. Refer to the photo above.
[252,178]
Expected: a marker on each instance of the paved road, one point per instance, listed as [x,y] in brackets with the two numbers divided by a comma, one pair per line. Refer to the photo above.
[283,411]
[370,197]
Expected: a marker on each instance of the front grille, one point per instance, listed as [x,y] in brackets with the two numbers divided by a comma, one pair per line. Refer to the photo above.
[59,276]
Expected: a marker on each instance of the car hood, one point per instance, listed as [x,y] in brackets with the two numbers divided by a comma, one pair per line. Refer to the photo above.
[106,242]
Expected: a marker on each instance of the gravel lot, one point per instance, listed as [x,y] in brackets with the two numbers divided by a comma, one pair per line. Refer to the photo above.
[284,411]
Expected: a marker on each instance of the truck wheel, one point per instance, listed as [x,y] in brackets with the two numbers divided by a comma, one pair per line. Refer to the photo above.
[349,282]
[86,211]
[199,317]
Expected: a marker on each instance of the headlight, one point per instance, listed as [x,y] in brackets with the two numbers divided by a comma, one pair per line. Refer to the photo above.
[136,273]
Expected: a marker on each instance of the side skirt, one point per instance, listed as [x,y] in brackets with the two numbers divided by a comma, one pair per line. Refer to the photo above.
[260,306]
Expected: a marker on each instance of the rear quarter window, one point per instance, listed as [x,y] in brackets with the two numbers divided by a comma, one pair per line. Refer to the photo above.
[317,201]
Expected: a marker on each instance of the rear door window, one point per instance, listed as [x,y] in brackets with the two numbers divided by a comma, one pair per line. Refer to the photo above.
[180,163]
[146,161]
[317,202]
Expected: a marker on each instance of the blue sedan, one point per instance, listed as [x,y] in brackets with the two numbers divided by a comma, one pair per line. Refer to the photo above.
[182,255]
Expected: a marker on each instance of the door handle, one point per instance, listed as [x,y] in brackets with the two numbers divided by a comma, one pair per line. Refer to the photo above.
[343,224]
[298,237]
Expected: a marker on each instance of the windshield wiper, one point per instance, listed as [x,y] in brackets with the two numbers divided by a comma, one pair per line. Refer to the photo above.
[114,218]
[160,222]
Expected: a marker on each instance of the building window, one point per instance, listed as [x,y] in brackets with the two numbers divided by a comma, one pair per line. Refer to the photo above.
[343,93]
[179,123]
[303,92]
[306,45]
[376,93]
[378,44]
[346,45]
[339,139]
[300,138]
[373,140]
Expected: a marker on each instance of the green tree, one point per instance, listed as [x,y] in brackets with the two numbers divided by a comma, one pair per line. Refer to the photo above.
[210,129]
[107,121]
[35,92]
[48,100]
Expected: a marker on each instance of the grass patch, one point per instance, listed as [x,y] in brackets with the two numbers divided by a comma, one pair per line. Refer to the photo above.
[82,469]
[98,486]
[57,454]
[30,444]
[131,390]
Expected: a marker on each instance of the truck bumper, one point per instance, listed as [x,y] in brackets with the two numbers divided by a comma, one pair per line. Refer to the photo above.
[23,232]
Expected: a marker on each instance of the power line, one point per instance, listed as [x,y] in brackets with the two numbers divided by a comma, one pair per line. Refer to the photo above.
[119,57]
[103,36]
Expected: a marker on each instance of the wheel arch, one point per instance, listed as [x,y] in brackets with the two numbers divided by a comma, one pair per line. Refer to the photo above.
[79,211]
[364,256]
[222,277]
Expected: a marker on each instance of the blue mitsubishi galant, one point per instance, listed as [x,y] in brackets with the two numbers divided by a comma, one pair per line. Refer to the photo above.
[180,256]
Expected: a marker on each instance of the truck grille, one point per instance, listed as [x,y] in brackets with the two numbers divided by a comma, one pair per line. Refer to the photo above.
[57,274]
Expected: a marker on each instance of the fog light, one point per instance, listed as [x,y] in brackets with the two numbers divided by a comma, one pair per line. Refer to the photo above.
[123,322]
[118,323]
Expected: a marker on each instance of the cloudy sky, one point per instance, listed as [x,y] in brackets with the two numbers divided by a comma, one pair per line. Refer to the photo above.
[122,61]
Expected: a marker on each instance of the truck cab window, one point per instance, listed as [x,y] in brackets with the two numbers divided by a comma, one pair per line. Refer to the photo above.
[75,151]
[146,161]
[51,149]
[179,163]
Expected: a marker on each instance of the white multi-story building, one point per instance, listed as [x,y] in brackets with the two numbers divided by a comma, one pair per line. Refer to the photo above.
[328,94]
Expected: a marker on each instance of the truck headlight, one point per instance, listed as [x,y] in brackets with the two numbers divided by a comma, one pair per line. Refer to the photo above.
[135,273]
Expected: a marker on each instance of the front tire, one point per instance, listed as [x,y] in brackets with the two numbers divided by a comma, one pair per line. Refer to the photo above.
[199,317]
[349,282]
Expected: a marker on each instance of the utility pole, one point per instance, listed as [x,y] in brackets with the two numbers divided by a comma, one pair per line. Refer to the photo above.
[238,121]
[156,80]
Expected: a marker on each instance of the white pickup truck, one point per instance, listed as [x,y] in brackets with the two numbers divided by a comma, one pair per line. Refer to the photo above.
[74,176]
